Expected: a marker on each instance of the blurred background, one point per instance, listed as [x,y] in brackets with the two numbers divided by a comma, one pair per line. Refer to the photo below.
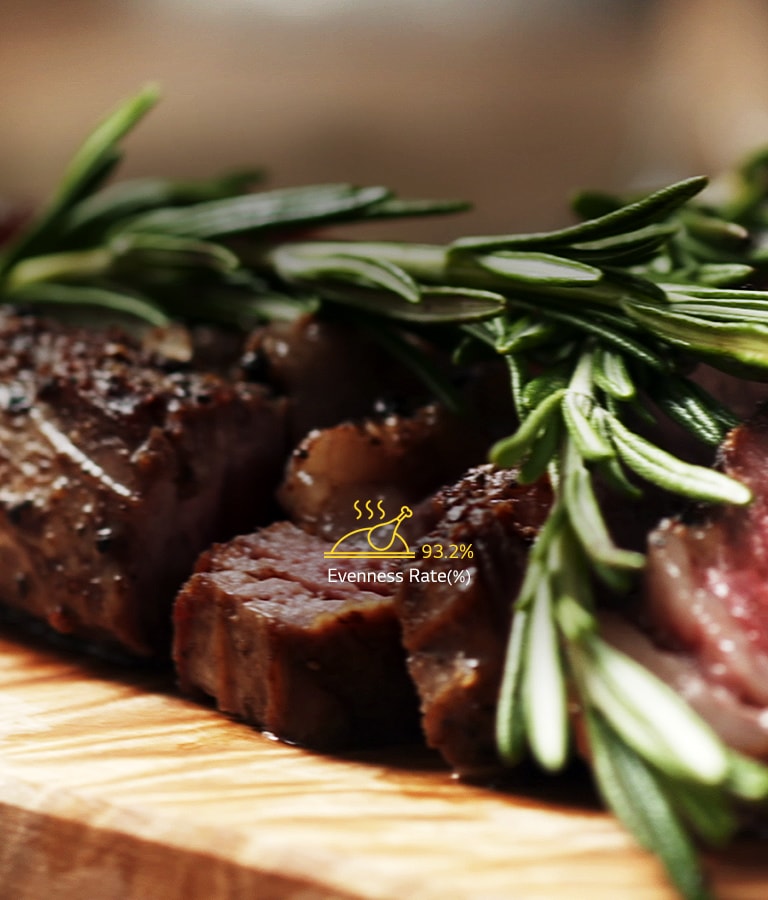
[512,104]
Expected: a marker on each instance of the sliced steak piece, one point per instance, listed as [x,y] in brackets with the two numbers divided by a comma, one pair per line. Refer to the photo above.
[115,474]
[706,597]
[305,648]
[455,628]
[389,461]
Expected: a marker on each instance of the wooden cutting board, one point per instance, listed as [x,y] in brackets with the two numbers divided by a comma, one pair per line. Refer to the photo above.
[111,786]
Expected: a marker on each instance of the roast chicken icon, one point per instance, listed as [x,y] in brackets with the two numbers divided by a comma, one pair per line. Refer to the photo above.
[383,540]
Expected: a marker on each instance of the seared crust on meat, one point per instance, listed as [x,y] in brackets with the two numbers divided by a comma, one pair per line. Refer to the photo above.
[115,473]
[456,633]
[315,659]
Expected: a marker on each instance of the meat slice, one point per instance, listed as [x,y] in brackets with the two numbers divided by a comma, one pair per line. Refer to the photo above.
[387,461]
[705,605]
[456,612]
[303,647]
[114,474]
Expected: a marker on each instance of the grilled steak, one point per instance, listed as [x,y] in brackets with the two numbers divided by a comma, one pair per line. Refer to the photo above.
[115,474]
[455,631]
[296,644]
[705,604]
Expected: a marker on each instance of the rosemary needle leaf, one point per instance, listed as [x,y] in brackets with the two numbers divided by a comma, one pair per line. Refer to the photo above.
[541,453]
[708,810]
[58,266]
[72,296]
[516,379]
[623,249]
[611,374]
[685,404]
[589,442]
[542,386]
[510,725]
[634,793]
[673,736]
[717,274]
[671,473]
[368,272]
[576,623]
[101,143]
[485,332]
[588,523]
[710,229]
[544,698]
[510,450]
[525,333]
[458,304]
[708,275]
[714,312]
[89,168]
[538,268]
[649,209]
[575,599]
[89,182]
[148,252]
[703,251]
[539,557]
[436,305]
[733,346]
[747,778]
[396,207]
[126,199]
[243,309]
[255,212]
[736,298]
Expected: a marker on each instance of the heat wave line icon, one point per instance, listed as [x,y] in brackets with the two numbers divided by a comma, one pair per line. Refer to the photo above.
[383,540]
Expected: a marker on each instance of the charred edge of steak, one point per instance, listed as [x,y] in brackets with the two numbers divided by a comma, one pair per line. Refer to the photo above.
[313,659]
[456,633]
[115,474]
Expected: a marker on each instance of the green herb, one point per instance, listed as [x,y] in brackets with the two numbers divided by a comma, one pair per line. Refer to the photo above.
[592,320]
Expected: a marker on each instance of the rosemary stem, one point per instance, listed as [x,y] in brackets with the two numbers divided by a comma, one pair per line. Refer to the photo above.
[528,279]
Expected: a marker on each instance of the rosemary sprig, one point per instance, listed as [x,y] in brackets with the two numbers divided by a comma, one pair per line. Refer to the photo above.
[592,320]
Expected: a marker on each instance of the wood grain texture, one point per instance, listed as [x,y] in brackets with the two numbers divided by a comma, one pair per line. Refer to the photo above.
[113,787]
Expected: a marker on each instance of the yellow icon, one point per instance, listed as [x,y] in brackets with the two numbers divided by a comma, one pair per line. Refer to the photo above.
[384,539]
